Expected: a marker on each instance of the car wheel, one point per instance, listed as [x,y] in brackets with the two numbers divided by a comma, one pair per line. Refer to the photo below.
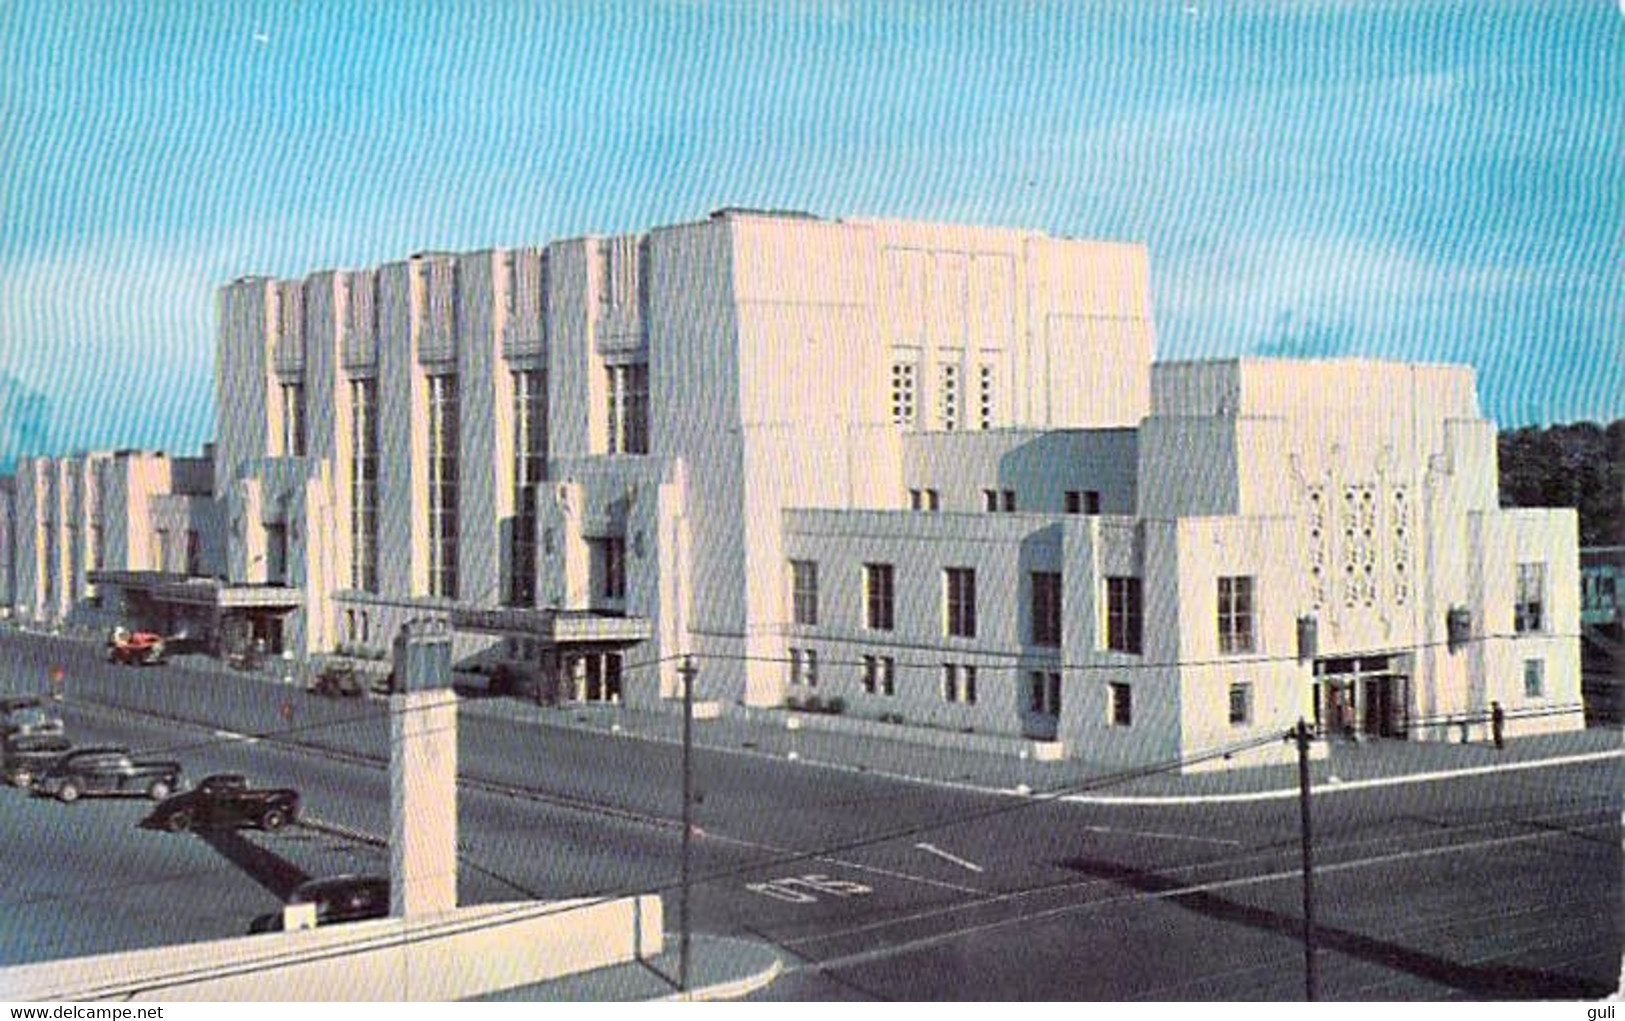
[273,820]
[159,790]
[178,822]
[68,793]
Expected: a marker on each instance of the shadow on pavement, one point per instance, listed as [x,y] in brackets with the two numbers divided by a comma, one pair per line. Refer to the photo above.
[1495,982]
[270,870]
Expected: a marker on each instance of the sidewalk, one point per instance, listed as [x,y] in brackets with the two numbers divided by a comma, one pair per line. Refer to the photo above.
[766,733]
[719,969]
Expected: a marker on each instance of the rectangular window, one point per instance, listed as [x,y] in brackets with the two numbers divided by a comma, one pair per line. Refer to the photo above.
[1009,501]
[161,547]
[442,483]
[985,403]
[95,555]
[529,470]
[194,553]
[959,602]
[364,485]
[1085,501]
[1124,615]
[804,667]
[948,397]
[610,554]
[959,683]
[1528,615]
[1241,704]
[1534,678]
[1122,705]
[990,500]
[804,592]
[916,500]
[1044,689]
[1235,615]
[879,601]
[932,502]
[902,393]
[293,420]
[880,675]
[628,393]
[1046,607]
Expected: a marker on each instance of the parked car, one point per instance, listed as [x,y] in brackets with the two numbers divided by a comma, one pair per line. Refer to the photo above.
[32,719]
[225,801]
[107,771]
[347,898]
[135,648]
[24,756]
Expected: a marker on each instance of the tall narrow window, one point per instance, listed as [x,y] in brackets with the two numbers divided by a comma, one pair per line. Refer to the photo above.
[880,675]
[442,482]
[1046,608]
[985,406]
[1121,705]
[878,599]
[959,602]
[364,485]
[95,555]
[628,393]
[610,554]
[194,553]
[1241,704]
[948,396]
[529,469]
[1528,614]
[1235,615]
[804,592]
[902,393]
[1124,615]
[161,541]
[293,419]
[1044,692]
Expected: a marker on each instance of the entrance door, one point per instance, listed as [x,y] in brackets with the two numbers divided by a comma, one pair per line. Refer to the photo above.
[1385,706]
[1338,699]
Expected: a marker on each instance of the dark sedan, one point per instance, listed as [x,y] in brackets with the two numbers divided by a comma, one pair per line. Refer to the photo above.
[107,771]
[348,898]
[225,801]
[24,756]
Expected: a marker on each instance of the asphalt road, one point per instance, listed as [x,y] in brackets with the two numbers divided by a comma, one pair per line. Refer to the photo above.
[1501,886]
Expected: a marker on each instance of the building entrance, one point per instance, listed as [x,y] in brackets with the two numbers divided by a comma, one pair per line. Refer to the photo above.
[1362,695]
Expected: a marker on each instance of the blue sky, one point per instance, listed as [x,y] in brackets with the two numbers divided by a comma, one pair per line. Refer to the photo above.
[1431,181]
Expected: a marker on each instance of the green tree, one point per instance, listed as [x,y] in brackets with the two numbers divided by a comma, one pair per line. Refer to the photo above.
[1580,465]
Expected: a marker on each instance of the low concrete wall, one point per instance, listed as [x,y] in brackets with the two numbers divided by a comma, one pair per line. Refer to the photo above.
[462,953]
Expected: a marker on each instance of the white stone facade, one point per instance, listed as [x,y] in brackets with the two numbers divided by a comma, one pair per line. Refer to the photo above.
[679,442]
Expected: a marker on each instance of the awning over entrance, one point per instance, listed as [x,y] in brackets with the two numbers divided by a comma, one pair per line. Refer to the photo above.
[166,587]
[554,627]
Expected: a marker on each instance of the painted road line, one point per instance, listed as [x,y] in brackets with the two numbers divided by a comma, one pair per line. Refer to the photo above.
[232,735]
[945,856]
[1154,835]
[1283,793]
[940,938]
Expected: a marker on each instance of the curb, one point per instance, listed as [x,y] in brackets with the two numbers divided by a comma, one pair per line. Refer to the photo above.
[730,990]
[1283,793]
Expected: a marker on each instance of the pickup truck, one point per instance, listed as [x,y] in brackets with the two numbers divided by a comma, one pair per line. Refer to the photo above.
[106,771]
[225,801]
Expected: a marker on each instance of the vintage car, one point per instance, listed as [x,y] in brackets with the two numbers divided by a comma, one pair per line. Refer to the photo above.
[10,701]
[109,771]
[135,648]
[347,898]
[225,801]
[24,756]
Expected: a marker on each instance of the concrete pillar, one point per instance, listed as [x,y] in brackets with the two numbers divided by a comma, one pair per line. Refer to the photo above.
[423,774]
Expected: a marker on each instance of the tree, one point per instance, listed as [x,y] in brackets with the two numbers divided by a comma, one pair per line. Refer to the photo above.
[1580,466]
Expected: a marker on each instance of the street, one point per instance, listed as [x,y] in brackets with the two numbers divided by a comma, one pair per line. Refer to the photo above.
[1496,886]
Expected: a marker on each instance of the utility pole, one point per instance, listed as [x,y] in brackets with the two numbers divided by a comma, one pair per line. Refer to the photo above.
[1310,978]
[687,672]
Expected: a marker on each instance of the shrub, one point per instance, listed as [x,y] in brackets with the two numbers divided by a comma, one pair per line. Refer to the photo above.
[813,704]
[835,706]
